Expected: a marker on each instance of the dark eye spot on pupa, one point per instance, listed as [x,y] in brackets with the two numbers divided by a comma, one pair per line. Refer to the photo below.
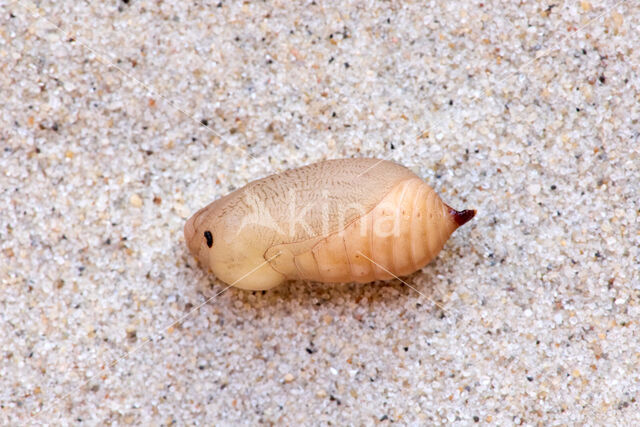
[209,237]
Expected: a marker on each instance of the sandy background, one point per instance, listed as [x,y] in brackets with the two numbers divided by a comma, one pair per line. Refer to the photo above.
[119,119]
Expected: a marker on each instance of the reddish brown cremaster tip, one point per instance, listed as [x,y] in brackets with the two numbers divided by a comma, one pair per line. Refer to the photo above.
[462,217]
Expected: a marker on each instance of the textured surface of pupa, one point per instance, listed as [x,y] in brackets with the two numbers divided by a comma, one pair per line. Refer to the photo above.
[346,220]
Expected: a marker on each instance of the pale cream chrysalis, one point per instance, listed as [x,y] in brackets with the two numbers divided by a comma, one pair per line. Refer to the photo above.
[348,220]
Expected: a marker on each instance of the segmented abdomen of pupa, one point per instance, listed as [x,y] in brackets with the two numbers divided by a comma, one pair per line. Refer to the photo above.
[400,235]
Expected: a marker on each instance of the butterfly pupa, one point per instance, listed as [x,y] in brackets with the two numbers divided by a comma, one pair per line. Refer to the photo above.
[346,220]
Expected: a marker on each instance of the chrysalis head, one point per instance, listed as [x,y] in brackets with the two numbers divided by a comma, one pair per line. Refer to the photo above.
[195,237]
[222,245]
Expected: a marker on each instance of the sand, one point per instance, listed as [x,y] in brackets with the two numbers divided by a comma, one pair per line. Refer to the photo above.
[120,119]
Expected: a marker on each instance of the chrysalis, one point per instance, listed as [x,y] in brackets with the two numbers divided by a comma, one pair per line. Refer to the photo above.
[348,220]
